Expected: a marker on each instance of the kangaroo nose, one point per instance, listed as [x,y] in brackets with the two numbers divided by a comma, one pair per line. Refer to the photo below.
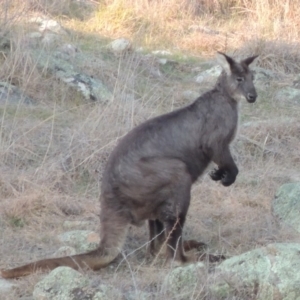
[251,97]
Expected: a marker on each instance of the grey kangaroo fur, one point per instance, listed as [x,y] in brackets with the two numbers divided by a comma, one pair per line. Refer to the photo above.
[150,173]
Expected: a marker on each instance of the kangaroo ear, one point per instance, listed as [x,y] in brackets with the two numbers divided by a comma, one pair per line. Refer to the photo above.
[226,62]
[249,60]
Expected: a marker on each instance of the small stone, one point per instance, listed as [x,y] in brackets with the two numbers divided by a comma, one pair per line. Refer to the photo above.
[50,25]
[162,52]
[120,45]
[162,61]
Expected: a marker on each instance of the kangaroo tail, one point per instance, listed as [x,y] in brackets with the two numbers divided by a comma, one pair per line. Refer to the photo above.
[109,248]
[94,260]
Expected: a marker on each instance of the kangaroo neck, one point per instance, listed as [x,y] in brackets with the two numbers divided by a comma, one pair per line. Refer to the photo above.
[222,86]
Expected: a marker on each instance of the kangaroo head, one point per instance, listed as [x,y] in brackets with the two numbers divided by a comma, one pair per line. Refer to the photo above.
[238,77]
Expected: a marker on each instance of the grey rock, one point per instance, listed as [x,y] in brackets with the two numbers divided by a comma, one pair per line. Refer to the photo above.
[63,283]
[162,61]
[286,205]
[182,281]
[51,25]
[120,45]
[12,95]
[89,87]
[162,52]
[81,240]
[46,24]
[265,273]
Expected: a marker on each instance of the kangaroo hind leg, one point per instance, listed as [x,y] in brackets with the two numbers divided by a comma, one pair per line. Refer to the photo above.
[156,236]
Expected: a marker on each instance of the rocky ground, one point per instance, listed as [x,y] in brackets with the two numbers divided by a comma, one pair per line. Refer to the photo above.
[59,126]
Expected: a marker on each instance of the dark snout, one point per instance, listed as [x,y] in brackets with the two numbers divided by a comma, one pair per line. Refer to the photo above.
[251,97]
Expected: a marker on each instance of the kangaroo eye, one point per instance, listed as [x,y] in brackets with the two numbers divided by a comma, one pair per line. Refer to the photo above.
[240,79]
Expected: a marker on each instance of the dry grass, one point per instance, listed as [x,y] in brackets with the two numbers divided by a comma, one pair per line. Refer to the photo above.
[52,153]
[193,26]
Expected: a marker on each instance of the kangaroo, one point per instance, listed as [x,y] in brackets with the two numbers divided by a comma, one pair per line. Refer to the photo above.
[150,172]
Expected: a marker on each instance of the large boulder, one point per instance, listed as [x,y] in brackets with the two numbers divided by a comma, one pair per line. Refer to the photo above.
[267,273]
[61,283]
[64,283]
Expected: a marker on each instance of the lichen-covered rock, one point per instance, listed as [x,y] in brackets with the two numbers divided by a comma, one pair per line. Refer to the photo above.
[91,88]
[286,205]
[267,273]
[182,282]
[63,283]
[81,240]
